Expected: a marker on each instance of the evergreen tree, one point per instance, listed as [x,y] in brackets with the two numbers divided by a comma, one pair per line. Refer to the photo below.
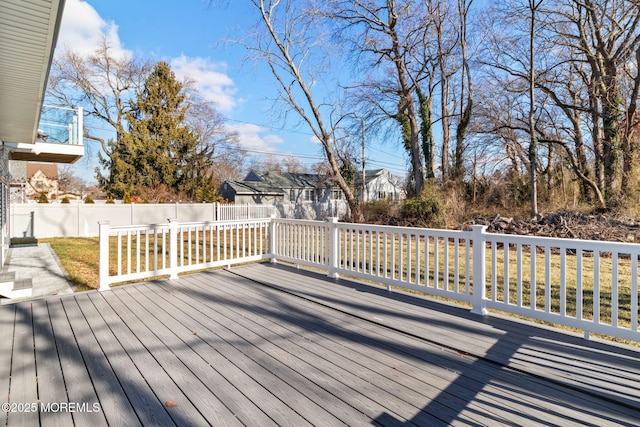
[159,147]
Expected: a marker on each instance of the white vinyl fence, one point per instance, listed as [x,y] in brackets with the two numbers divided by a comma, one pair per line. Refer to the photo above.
[81,220]
[588,285]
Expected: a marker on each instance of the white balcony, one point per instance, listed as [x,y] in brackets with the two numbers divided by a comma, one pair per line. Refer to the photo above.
[58,140]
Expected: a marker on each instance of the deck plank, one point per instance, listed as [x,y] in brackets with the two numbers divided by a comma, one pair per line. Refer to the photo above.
[538,350]
[153,373]
[7,325]
[50,377]
[196,377]
[78,382]
[116,405]
[320,356]
[506,406]
[339,383]
[266,376]
[272,345]
[24,388]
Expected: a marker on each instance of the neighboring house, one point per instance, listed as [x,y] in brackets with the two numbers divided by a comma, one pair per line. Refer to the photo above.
[260,187]
[303,195]
[253,193]
[380,184]
[41,178]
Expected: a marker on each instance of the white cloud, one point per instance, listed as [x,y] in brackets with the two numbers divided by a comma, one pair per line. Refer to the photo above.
[82,28]
[251,138]
[210,78]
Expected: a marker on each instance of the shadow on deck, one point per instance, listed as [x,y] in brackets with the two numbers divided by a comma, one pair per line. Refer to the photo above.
[271,345]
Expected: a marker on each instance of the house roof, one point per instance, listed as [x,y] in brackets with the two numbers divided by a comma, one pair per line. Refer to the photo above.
[50,170]
[289,180]
[253,187]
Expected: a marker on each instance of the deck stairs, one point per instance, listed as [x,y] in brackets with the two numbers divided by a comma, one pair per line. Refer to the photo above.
[12,288]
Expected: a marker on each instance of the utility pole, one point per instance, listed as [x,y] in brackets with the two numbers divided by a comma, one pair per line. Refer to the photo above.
[364,174]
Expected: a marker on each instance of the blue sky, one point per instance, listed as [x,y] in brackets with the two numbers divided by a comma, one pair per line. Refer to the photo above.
[190,36]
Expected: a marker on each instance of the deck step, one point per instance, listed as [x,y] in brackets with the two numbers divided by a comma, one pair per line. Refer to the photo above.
[12,288]
[22,284]
[7,276]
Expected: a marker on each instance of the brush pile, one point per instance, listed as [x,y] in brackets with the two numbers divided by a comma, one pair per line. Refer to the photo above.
[568,225]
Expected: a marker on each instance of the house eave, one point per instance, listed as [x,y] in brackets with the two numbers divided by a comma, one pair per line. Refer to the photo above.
[44,152]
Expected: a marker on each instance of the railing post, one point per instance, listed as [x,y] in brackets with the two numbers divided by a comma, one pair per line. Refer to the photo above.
[103,265]
[479,270]
[173,249]
[272,240]
[334,241]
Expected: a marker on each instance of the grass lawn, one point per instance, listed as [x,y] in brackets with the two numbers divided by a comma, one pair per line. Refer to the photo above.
[79,258]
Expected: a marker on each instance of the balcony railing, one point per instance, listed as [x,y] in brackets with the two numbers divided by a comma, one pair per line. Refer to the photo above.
[61,125]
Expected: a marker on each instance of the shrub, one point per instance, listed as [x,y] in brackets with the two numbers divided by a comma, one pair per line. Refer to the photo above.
[110,200]
[88,200]
[127,198]
[428,208]
[43,198]
[377,210]
[65,200]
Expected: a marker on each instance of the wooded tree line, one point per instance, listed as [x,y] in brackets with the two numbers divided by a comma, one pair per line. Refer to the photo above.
[540,95]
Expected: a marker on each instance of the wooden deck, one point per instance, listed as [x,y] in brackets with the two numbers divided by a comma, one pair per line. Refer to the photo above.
[270,345]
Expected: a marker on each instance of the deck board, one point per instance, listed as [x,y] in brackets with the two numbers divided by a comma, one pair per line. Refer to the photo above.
[236,349]
[50,377]
[271,345]
[424,369]
[288,363]
[192,373]
[78,382]
[587,365]
[7,325]
[159,381]
[23,371]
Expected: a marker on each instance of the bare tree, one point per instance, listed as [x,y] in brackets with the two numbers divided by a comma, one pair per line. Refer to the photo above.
[466,90]
[102,83]
[286,43]
[386,36]
[605,35]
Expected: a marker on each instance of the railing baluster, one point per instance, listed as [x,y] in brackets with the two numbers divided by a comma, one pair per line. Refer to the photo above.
[579,293]
[506,273]
[494,271]
[519,275]
[426,261]
[119,254]
[596,286]
[532,278]
[563,282]
[634,291]
[547,279]
[614,289]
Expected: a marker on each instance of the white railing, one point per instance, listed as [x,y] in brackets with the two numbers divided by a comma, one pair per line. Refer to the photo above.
[231,212]
[588,285]
[141,252]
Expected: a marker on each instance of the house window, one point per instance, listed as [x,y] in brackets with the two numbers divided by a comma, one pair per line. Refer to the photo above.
[336,195]
[309,195]
[292,195]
